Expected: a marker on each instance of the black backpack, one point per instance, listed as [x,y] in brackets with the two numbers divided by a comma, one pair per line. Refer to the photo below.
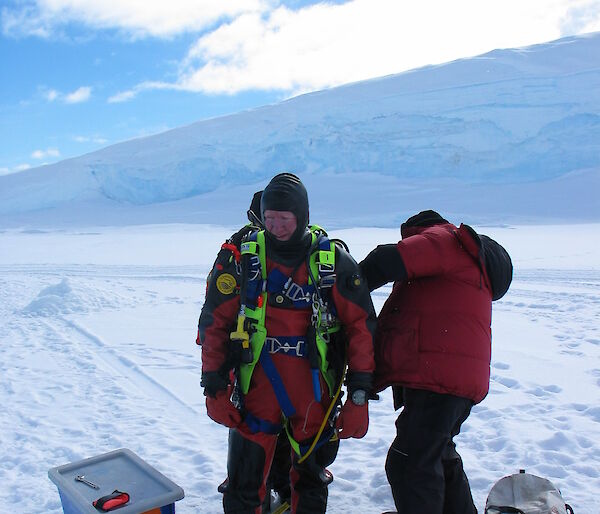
[498,266]
[497,263]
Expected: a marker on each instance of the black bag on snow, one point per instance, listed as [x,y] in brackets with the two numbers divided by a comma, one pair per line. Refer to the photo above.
[498,266]
[523,493]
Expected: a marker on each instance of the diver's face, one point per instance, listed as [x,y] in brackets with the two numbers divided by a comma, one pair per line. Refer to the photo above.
[281,224]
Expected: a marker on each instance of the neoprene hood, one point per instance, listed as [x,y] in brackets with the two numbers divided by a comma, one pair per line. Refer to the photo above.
[286,192]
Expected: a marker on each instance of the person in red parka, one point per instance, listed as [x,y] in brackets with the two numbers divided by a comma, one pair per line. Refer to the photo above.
[433,346]
[285,376]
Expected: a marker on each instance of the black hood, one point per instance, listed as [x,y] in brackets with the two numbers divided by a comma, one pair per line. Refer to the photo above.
[427,218]
[286,192]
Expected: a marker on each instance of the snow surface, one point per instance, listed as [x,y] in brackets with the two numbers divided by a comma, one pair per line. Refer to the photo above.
[97,339]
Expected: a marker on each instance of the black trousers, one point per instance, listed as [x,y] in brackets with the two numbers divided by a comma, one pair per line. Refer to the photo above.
[249,462]
[423,468]
[279,476]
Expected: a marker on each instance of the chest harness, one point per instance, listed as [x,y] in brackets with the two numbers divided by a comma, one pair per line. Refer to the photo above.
[259,290]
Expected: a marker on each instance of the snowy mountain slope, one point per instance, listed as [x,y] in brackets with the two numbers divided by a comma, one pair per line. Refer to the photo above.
[520,116]
[360,199]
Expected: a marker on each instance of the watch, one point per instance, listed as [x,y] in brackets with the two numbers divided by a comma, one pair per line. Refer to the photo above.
[359,397]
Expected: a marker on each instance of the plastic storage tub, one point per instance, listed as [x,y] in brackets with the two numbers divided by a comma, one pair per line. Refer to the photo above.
[150,491]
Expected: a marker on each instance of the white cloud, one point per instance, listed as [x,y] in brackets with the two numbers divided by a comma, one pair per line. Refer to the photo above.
[326,45]
[51,95]
[16,169]
[94,139]
[136,17]
[123,96]
[42,154]
[82,94]
[23,19]
[262,44]
[582,16]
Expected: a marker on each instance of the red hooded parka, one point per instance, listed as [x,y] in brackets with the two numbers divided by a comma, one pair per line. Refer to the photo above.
[434,331]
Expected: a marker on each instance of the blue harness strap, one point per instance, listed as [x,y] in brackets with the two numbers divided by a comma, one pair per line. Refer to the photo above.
[254,281]
[256,424]
[273,375]
[280,284]
[325,437]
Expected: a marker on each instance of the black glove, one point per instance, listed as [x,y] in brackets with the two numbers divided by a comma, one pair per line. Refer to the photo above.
[382,265]
[213,382]
[359,380]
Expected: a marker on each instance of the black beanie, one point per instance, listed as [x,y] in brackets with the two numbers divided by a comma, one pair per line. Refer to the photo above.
[424,219]
[286,192]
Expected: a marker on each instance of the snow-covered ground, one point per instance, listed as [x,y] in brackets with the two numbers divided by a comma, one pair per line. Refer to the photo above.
[97,331]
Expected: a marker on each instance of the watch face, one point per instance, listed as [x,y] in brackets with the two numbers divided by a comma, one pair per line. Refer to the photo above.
[359,397]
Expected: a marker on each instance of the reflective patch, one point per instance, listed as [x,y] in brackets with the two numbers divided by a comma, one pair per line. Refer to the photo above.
[226,283]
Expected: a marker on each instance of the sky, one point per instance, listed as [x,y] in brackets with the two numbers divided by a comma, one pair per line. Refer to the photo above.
[79,75]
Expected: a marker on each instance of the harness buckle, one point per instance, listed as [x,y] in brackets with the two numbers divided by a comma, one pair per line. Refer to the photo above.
[296,293]
[327,280]
[254,272]
[250,247]
[274,345]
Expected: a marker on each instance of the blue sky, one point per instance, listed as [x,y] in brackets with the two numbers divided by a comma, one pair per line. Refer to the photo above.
[79,75]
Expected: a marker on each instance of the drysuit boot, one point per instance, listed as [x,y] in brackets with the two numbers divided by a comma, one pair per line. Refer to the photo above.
[310,479]
[246,472]
[279,477]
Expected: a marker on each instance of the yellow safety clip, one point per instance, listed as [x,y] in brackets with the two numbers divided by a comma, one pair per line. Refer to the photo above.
[240,334]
